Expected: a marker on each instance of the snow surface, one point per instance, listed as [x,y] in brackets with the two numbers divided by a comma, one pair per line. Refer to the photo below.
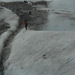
[10,18]
[61,16]
[46,52]
[28,48]
[60,21]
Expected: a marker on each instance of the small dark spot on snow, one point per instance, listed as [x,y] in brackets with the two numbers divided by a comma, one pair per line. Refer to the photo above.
[21,67]
[44,56]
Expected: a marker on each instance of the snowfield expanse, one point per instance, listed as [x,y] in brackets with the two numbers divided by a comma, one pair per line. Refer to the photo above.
[10,18]
[61,16]
[42,53]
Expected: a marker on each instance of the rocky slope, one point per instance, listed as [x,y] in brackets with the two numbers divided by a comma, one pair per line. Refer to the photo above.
[37,17]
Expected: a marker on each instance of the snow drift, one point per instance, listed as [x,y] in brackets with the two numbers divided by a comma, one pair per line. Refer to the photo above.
[61,16]
[42,53]
[10,18]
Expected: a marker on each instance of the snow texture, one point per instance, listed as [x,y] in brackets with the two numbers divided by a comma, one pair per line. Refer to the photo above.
[42,53]
[10,18]
[61,16]
[46,52]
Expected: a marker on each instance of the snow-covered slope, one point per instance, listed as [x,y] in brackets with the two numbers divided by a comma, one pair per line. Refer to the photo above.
[42,53]
[10,18]
[61,16]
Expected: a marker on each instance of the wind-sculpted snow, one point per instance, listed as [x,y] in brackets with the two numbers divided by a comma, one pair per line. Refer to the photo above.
[42,53]
[10,18]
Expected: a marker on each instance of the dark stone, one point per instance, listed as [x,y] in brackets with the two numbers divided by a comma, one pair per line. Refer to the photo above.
[25,2]
[30,13]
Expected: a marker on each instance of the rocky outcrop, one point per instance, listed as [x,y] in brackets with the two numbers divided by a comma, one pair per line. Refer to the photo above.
[17,7]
